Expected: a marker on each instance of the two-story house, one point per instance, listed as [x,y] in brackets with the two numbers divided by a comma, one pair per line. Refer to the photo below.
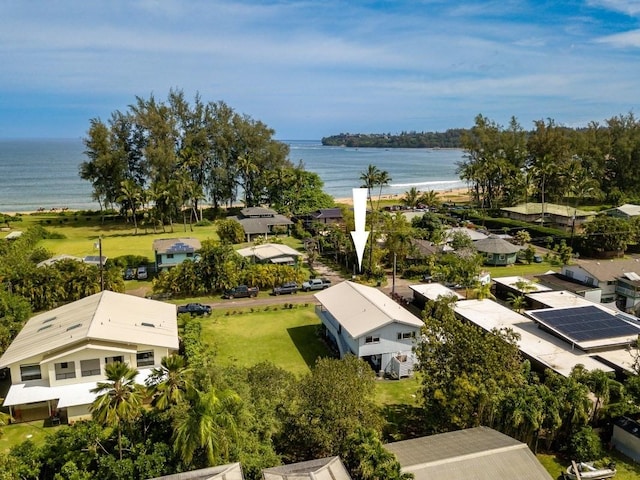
[169,252]
[365,322]
[618,279]
[59,355]
[260,221]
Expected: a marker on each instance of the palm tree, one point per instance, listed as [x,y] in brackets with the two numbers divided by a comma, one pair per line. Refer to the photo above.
[210,424]
[373,177]
[119,398]
[411,197]
[430,199]
[369,177]
[169,383]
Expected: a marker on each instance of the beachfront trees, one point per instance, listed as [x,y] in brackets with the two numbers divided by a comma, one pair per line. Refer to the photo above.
[182,154]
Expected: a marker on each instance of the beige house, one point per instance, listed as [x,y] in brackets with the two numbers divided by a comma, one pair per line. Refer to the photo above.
[271,253]
[563,217]
[59,355]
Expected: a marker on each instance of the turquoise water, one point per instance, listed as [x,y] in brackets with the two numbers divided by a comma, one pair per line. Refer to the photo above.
[44,173]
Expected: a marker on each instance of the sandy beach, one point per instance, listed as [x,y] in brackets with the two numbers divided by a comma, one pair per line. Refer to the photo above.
[451,195]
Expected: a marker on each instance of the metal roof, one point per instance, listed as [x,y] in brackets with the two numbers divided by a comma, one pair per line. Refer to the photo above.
[431,291]
[106,316]
[268,251]
[330,468]
[361,309]
[176,245]
[514,281]
[495,244]
[231,471]
[474,454]
[549,209]
[534,343]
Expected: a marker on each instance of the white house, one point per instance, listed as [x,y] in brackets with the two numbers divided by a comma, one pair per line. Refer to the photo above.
[365,322]
[271,253]
[617,279]
[59,355]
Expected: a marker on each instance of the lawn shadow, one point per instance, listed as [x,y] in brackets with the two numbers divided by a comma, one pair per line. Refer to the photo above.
[309,345]
[403,422]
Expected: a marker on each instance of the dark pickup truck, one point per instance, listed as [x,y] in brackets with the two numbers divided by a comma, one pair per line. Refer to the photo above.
[241,291]
[288,287]
[195,309]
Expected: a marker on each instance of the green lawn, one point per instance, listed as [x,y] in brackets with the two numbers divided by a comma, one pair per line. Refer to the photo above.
[626,468]
[286,337]
[17,433]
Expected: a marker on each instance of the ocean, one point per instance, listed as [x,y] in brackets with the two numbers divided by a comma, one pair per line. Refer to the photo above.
[43,173]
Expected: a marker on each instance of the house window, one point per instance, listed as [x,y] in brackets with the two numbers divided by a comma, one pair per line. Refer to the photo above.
[406,335]
[119,358]
[169,255]
[372,339]
[189,255]
[501,257]
[30,372]
[145,358]
[89,368]
[569,273]
[65,370]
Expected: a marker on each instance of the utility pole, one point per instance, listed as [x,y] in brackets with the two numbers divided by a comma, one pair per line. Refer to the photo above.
[99,245]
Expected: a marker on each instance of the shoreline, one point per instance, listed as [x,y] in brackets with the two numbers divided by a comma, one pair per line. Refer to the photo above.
[449,195]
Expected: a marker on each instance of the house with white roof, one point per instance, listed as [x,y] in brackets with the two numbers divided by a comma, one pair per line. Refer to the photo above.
[363,321]
[542,348]
[626,211]
[271,253]
[59,355]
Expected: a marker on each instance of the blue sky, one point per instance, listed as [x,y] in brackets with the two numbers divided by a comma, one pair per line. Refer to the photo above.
[313,68]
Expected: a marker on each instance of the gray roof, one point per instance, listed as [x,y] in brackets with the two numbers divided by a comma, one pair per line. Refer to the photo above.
[495,244]
[260,225]
[258,212]
[103,317]
[606,270]
[327,213]
[232,471]
[330,468]
[628,209]
[176,245]
[361,309]
[469,232]
[474,454]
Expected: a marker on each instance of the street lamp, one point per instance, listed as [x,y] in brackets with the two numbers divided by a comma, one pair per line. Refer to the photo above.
[98,245]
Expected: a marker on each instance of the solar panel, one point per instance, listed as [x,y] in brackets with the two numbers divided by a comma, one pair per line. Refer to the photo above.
[584,324]
[180,247]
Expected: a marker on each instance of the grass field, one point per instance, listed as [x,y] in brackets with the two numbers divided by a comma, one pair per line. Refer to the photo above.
[20,432]
[626,468]
[286,337]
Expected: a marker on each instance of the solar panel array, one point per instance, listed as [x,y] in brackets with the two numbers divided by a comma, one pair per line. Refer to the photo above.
[585,324]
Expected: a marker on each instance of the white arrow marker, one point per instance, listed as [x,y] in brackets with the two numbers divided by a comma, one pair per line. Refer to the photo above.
[360,236]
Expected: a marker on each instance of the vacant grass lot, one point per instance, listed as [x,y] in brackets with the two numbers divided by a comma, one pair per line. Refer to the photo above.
[20,432]
[626,468]
[287,337]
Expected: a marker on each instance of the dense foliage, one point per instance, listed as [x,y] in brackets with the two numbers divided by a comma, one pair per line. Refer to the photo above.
[159,161]
[448,139]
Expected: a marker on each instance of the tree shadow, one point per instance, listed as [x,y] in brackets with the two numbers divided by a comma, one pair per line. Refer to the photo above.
[403,421]
[309,345]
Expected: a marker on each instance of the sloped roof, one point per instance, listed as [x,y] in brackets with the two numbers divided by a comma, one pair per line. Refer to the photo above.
[469,232]
[232,471]
[628,209]
[361,309]
[330,468]
[549,208]
[495,244]
[103,317]
[425,247]
[474,454]
[176,245]
[258,212]
[58,258]
[607,270]
[260,225]
[327,213]
[268,250]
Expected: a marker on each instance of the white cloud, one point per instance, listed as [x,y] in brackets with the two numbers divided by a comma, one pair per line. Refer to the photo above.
[629,7]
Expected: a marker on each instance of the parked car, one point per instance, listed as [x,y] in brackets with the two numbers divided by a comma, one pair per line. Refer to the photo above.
[316,284]
[195,309]
[142,273]
[241,291]
[129,274]
[288,287]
